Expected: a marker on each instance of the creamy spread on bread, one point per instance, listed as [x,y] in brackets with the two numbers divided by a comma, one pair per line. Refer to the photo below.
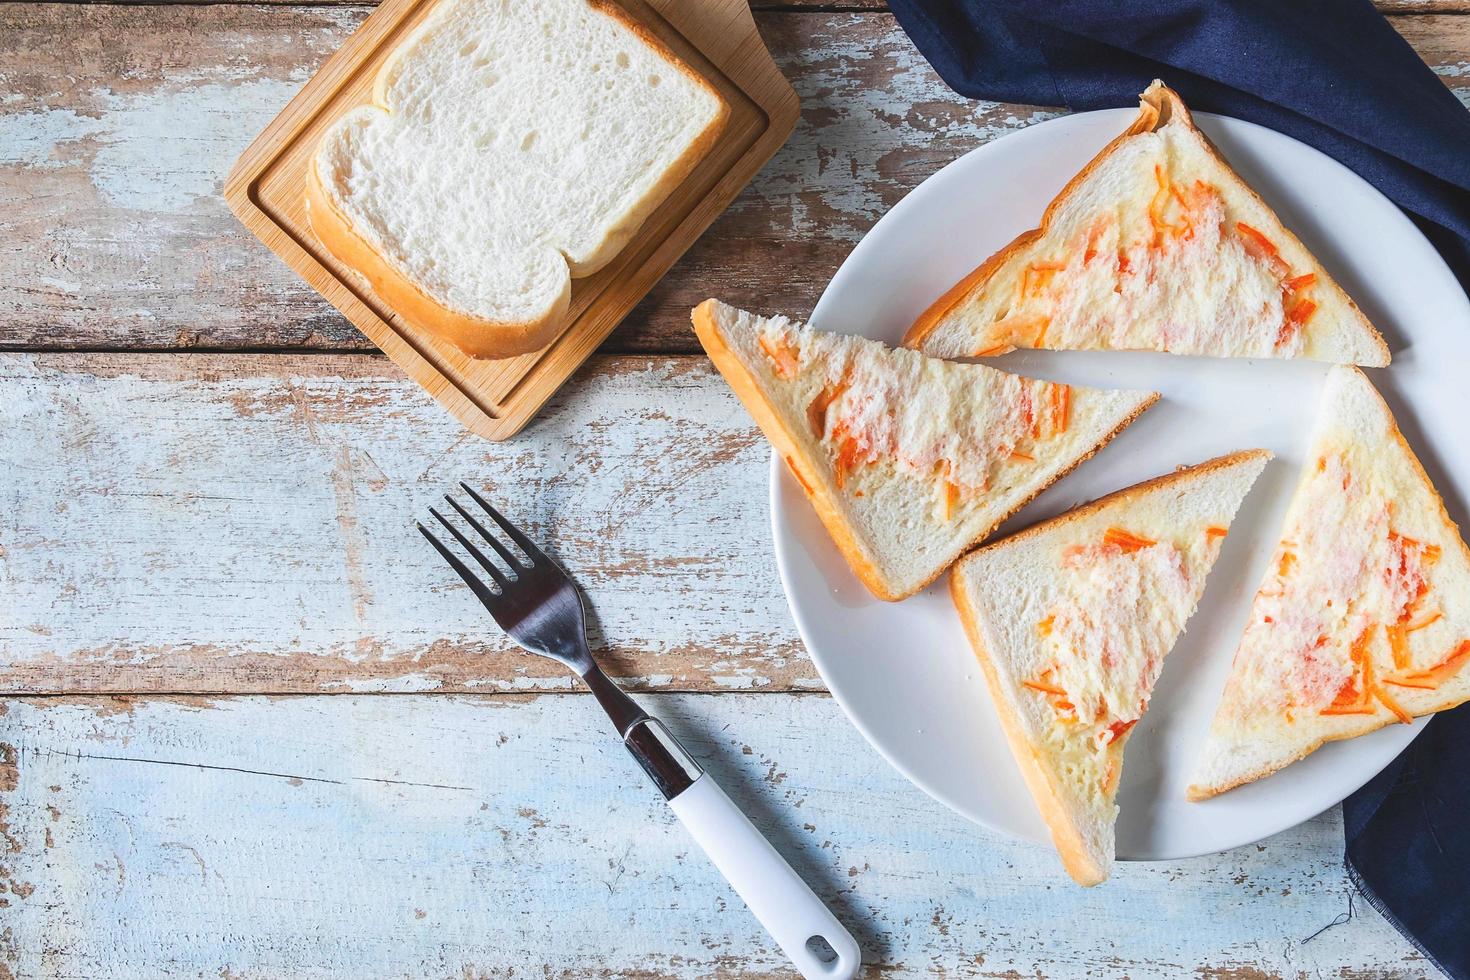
[1176,271]
[1361,616]
[862,409]
[1333,629]
[1121,602]
[1118,616]
[1157,245]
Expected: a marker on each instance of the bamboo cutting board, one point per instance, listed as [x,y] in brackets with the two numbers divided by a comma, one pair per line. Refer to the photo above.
[496,398]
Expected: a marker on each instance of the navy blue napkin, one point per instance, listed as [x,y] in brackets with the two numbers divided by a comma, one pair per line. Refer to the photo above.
[1334,74]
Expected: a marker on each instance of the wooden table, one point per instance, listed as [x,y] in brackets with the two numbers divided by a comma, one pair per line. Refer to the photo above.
[252,728]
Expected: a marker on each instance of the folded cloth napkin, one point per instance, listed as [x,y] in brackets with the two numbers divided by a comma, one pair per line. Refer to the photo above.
[1333,74]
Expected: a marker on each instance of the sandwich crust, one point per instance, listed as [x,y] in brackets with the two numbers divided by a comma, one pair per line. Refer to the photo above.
[1065,835]
[812,478]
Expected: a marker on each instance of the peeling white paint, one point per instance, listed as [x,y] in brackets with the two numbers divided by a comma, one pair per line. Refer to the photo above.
[124,178]
[161,151]
[837,161]
[38,139]
[155,151]
[202,522]
[344,818]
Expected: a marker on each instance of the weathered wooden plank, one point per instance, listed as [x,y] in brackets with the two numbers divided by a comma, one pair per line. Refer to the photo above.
[454,836]
[245,523]
[1387,6]
[120,122]
[1422,6]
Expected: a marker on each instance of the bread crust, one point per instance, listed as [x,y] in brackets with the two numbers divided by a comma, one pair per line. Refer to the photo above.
[1180,475]
[1065,834]
[818,485]
[475,336]
[1196,793]
[480,337]
[818,488]
[1158,106]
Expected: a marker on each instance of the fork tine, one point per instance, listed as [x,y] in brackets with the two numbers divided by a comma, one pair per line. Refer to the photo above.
[514,533]
[494,542]
[481,591]
[479,556]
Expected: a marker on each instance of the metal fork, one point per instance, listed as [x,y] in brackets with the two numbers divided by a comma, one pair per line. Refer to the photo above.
[537,604]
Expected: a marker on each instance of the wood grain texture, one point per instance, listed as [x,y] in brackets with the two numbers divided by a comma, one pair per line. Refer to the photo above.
[348,837]
[121,122]
[268,190]
[1387,6]
[245,523]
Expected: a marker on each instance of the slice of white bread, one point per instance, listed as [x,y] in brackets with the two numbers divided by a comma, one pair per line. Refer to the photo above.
[909,461]
[1157,245]
[1071,620]
[510,147]
[1364,615]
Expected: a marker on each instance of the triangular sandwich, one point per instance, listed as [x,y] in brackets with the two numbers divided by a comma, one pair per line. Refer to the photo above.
[908,460]
[1156,245]
[1364,615]
[1071,621]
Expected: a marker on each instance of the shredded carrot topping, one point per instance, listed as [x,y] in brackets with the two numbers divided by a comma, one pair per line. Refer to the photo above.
[1126,540]
[1353,708]
[1043,628]
[1058,697]
[1433,617]
[1095,232]
[1023,457]
[782,355]
[1299,283]
[1156,206]
[1398,645]
[1283,567]
[1301,311]
[1117,730]
[1355,695]
[1037,276]
[1398,633]
[1388,702]
[1434,676]
[1296,317]
[1255,242]
[848,456]
[1217,532]
[951,497]
[1061,408]
[1044,685]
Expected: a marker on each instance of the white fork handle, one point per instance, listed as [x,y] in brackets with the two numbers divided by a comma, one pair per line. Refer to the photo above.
[783,903]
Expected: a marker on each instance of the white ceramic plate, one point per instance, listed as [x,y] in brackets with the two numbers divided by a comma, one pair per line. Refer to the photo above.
[904,672]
